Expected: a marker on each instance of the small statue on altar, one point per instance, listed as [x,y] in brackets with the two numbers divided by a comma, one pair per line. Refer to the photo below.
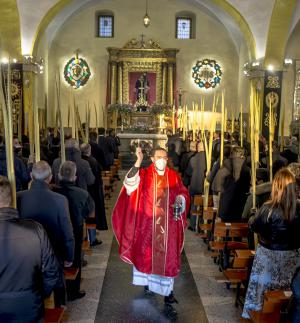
[142,88]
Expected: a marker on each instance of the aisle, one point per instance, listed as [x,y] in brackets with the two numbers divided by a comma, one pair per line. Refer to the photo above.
[120,301]
[111,298]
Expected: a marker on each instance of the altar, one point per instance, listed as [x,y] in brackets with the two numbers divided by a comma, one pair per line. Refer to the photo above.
[129,142]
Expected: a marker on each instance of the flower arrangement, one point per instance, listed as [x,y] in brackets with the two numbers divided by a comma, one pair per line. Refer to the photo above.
[158,109]
[122,108]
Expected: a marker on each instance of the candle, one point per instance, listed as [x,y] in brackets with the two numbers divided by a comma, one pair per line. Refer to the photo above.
[270,139]
[194,123]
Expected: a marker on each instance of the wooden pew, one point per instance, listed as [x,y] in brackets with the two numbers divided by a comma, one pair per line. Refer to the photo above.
[53,315]
[240,272]
[71,273]
[223,243]
[273,302]
[209,218]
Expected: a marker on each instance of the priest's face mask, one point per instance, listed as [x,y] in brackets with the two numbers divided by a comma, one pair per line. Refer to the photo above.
[160,160]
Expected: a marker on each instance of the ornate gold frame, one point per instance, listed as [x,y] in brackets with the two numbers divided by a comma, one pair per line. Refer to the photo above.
[141,56]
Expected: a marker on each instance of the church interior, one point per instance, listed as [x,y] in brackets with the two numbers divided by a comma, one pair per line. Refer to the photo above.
[216,85]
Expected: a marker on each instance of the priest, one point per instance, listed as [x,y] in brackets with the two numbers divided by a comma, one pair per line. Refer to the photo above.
[149,221]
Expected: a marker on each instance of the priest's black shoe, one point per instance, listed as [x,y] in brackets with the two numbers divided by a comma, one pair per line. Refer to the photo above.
[170,299]
[148,292]
[76,296]
[170,311]
[96,243]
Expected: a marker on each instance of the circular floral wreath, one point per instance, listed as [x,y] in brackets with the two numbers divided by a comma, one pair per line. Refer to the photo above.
[207,73]
[77,72]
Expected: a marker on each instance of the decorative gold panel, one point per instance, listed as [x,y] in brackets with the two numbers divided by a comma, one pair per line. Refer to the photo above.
[141,56]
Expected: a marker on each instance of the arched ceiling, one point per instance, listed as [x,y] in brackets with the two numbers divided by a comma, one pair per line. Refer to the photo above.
[243,19]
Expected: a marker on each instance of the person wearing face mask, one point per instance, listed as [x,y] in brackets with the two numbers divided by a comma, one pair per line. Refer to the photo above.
[149,221]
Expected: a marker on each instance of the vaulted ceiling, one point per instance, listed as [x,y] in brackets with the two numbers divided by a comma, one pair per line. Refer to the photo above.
[248,19]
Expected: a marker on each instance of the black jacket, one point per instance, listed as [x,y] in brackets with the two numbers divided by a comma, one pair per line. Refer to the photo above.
[235,187]
[81,204]
[274,232]
[28,268]
[51,210]
[84,173]
[22,176]
[96,191]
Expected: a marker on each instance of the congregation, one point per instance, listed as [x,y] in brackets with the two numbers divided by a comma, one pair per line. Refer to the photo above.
[57,201]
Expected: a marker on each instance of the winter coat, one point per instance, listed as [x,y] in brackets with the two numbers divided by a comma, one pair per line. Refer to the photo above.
[196,172]
[235,185]
[51,210]
[29,270]
[84,173]
[96,191]
[22,177]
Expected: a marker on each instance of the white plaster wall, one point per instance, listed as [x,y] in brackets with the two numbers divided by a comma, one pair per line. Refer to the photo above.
[292,51]
[212,41]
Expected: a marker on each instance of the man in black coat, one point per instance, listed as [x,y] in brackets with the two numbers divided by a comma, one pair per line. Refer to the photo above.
[107,146]
[97,152]
[84,175]
[81,206]
[235,177]
[96,190]
[51,210]
[29,269]
[21,174]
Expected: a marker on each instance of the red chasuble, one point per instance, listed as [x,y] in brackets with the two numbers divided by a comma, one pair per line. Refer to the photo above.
[148,235]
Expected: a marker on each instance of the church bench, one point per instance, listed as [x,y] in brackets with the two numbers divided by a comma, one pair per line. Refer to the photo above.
[274,301]
[197,208]
[53,315]
[107,186]
[223,241]
[71,273]
[90,225]
[86,246]
[209,216]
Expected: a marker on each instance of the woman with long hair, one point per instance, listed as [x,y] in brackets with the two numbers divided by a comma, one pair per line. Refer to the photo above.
[277,224]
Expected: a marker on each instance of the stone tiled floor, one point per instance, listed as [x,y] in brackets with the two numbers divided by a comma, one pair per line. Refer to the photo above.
[218,302]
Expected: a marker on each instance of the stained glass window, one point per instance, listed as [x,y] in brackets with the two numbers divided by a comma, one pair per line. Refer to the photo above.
[183,28]
[106,26]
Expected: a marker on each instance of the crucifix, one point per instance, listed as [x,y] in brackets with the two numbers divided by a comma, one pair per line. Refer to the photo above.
[142,41]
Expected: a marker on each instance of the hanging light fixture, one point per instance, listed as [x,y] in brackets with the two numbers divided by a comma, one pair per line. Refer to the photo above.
[146,17]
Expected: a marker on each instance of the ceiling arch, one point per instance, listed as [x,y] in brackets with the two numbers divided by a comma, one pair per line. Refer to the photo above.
[230,17]
[10,40]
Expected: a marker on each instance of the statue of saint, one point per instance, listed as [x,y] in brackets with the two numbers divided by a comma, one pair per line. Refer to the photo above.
[142,88]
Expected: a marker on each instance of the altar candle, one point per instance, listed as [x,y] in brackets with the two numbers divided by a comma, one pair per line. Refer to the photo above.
[232,123]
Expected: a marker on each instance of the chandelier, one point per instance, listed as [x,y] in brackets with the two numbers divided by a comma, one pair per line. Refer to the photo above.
[146,18]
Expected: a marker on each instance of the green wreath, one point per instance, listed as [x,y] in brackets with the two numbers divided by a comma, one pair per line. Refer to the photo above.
[77,72]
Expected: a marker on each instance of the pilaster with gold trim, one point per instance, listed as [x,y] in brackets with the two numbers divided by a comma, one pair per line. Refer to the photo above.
[170,83]
[113,83]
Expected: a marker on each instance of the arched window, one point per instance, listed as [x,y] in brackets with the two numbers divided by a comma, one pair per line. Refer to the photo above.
[105,24]
[185,25]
